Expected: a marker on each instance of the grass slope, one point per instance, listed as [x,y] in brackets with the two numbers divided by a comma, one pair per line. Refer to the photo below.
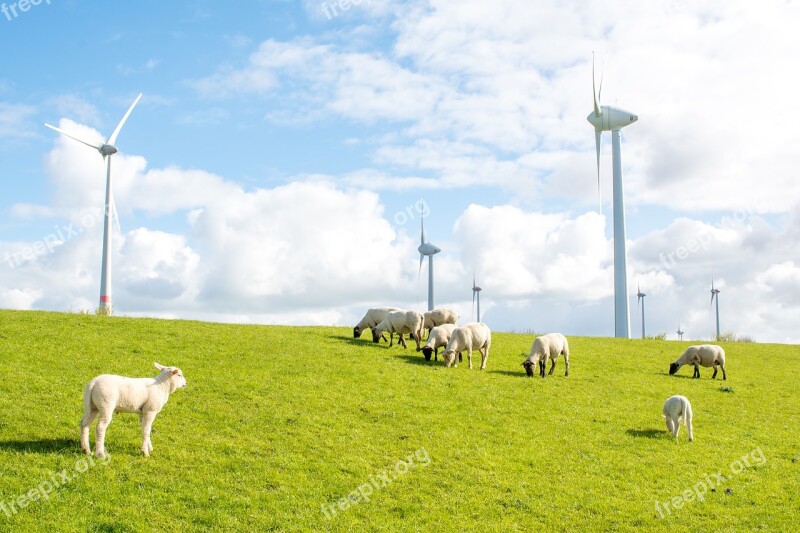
[279,423]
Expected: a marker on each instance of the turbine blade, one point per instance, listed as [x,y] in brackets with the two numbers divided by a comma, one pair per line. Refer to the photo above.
[473,303]
[62,132]
[113,138]
[594,91]
[114,213]
[422,231]
[597,139]
[419,274]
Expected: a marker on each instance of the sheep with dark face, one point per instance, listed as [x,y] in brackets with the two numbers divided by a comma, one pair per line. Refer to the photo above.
[546,347]
[372,318]
[439,337]
[705,355]
[400,322]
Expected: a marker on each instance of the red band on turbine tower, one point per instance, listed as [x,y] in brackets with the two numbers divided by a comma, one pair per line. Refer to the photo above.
[105,299]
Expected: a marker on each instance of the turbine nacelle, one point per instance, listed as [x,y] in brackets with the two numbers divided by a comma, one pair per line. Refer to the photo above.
[611,118]
[428,249]
[107,149]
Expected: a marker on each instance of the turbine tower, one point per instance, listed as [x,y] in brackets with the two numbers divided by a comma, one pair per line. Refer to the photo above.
[476,293]
[106,149]
[680,332]
[427,249]
[640,298]
[715,296]
[606,118]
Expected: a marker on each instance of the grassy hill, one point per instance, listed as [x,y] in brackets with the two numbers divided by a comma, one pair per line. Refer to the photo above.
[300,428]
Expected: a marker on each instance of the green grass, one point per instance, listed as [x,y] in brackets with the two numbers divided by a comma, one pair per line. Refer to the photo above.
[278,421]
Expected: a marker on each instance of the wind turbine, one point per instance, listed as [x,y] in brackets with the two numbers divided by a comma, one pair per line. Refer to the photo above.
[106,149]
[715,296]
[476,293]
[680,332]
[640,298]
[427,249]
[606,118]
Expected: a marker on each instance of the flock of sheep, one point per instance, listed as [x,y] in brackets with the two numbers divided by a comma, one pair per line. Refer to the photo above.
[108,394]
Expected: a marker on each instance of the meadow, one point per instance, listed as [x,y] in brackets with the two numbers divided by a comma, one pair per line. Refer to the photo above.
[308,429]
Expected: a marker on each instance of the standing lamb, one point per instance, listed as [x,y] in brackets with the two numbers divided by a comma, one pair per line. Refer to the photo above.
[439,337]
[108,394]
[707,355]
[678,408]
[400,322]
[473,336]
[439,316]
[374,316]
[546,347]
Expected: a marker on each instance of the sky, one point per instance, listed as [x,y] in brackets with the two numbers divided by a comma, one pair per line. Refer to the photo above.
[278,166]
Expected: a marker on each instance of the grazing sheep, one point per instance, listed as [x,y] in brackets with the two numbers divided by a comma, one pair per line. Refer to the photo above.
[473,336]
[400,322]
[678,408]
[439,337]
[706,355]
[374,316]
[108,394]
[439,316]
[546,347]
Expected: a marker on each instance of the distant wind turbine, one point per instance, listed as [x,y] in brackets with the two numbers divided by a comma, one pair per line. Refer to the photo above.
[715,296]
[106,149]
[680,332]
[606,118]
[427,249]
[476,293]
[640,298]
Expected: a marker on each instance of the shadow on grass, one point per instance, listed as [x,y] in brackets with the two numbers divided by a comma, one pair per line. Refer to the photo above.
[418,359]
[45,446]
[646,433]
[520,374]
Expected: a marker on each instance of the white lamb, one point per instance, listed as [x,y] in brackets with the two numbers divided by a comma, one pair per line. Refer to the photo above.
[473,336]
[400,322]
[439,337]
[439,316]
[546,347]
[707,355]
[678,408]
[108,394]
[374,316]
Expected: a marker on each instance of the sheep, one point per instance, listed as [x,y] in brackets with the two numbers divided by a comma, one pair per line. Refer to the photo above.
[400,322]
[707,355]
[439,337]
[439,316]
[546,347]
[374,316]
[678,408]
[473,336]
[108,394]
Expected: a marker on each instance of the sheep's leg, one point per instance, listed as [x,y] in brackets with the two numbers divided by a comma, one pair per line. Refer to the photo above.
[566,362]
[724,377]
[670,428]
[484,356]
[86,424]
[687,419]
[696,371]
[469,357]
[147,425]
[100,437]
[436,354]
[417,337]
[552,366]
[714,375]
[541,368]
[403,341]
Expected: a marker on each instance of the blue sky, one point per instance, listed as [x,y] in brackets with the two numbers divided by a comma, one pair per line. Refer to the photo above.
[271,171]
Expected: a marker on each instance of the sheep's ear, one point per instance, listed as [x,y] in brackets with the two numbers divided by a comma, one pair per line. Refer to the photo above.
[174,371]
[160,367]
